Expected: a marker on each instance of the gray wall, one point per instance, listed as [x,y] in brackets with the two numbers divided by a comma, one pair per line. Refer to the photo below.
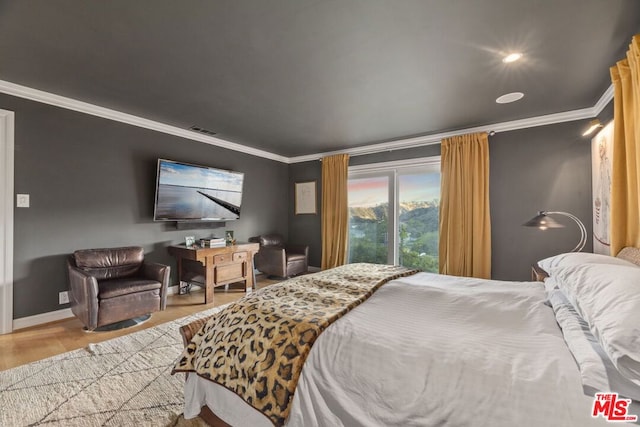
[92,184]
[306,229]
[542,168]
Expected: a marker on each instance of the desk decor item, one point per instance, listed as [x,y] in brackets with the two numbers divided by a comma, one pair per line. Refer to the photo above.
[305,197]
[213,242]
[543,222]
[184,288]
[189,241]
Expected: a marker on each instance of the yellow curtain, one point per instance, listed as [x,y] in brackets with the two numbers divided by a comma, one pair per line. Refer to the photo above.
[335,210]
[625,186]
[465,223]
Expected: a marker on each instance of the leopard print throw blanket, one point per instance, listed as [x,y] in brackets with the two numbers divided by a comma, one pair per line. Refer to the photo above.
[256,347]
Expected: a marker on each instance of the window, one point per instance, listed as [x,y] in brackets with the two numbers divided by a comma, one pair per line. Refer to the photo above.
[393,213]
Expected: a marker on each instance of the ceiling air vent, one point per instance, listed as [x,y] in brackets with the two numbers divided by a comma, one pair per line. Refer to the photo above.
[202,130]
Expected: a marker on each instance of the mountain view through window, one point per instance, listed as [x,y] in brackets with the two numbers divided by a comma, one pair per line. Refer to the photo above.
[403,231]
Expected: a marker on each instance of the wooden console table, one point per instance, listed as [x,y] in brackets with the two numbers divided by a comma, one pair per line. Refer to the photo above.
[216,266]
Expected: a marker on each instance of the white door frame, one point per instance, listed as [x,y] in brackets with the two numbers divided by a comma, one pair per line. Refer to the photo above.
[6,220]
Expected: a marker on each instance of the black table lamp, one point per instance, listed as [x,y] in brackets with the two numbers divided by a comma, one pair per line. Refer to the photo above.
[543,221]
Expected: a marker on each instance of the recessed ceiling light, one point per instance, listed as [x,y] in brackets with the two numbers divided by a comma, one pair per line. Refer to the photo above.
[509,97]
[512,57]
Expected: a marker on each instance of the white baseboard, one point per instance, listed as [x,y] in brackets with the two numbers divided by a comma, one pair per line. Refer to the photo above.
[39,319]
[52,316]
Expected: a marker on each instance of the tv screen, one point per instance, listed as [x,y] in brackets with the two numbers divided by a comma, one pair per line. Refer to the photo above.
[186,192]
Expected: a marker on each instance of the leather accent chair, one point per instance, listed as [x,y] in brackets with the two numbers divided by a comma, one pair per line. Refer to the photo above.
[115,284]
[276,258]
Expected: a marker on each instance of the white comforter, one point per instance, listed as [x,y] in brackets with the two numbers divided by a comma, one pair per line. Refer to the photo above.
[431,350]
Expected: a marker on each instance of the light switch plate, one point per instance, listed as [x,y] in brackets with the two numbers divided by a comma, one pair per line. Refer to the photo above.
[22,200]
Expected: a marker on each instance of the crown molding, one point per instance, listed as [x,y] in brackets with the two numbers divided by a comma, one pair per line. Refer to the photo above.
[400,144]
[432,139]
[107,113]
[604,100]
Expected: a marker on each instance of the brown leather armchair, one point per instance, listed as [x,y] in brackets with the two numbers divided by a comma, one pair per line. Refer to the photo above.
[115,284]
[276,258]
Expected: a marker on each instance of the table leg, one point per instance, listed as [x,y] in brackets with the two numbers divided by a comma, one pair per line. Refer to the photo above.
[209,281]
[250,282]
[179,269]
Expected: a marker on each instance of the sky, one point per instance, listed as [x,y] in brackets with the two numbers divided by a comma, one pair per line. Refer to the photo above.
[199,176]
[367,192]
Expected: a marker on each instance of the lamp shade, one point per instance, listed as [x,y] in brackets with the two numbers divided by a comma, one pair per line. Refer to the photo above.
[543,221]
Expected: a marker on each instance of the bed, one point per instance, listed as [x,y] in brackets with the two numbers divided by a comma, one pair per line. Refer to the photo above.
[424,349]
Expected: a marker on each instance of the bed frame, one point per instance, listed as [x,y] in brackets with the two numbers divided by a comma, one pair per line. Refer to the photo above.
[210,418]
[630,254]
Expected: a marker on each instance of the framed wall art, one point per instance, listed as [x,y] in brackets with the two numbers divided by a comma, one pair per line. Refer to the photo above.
[601,157]
[305,198]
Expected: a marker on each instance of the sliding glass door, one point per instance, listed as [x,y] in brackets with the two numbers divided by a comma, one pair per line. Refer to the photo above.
[393,213]
[369,219]
[418,207]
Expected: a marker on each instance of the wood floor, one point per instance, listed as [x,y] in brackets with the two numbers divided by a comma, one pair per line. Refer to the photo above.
[39,342]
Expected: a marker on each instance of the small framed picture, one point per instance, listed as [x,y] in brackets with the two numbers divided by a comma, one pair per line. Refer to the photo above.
[305,197]
[189,241]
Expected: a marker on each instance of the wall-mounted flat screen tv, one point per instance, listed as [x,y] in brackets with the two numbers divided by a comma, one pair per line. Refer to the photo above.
[186,192]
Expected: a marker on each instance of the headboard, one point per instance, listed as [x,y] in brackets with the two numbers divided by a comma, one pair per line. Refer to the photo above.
[630,254]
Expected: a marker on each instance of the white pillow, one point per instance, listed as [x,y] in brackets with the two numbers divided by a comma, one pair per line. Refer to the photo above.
[578,258]
[608,297]
[596,369]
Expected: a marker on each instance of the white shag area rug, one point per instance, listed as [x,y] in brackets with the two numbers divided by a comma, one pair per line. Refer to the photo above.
[125,381]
